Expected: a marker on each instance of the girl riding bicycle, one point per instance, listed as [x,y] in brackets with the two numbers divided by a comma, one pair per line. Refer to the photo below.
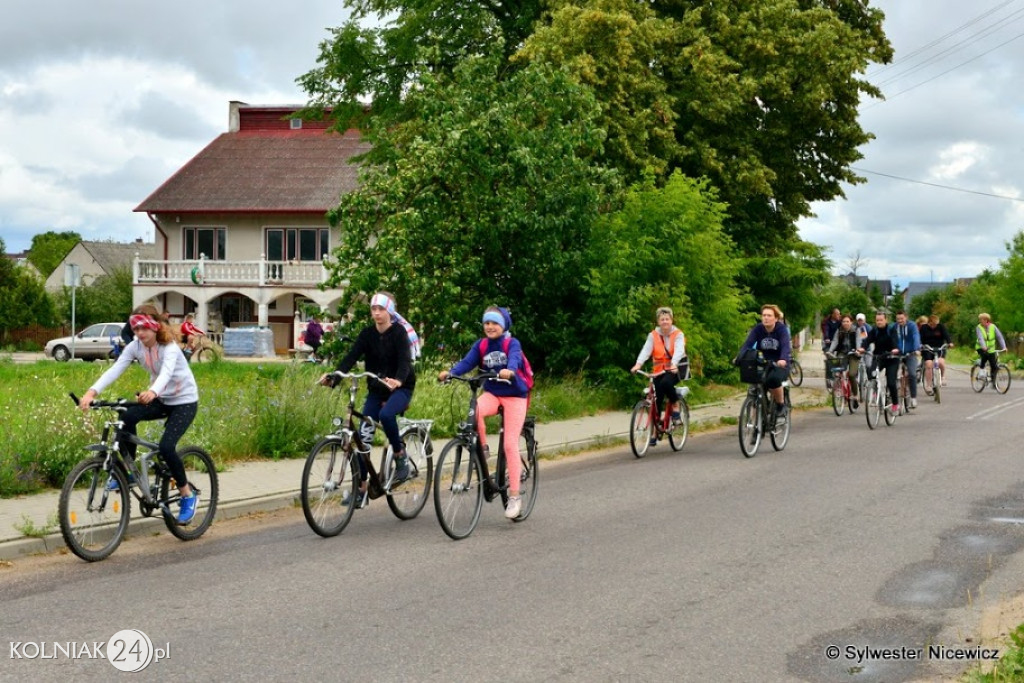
[500,352]
[771,338]
[172,394]
[667,345]
[386,347]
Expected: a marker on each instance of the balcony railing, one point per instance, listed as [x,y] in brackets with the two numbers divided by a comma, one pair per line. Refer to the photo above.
[261,273]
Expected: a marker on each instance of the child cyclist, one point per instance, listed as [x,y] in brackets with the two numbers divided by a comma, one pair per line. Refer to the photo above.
[172,393]
[500,352]
[385,349]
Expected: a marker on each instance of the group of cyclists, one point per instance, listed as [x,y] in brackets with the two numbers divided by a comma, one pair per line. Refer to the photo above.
[389,345]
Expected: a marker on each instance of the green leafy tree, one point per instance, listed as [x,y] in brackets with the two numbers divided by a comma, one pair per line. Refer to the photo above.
[49,249]
[788,279]
[483,194]
[928,302]
[23,300]
[838,293]
[1008,284]
[664,247]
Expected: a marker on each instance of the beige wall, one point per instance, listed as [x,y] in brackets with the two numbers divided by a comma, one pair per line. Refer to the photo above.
[89,269]
[244,239]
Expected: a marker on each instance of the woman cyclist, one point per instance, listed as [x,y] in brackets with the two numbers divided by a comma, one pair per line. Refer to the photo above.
[172,393]
[988,340]
[844,342]
[934,334]
[500,352]
[771,338]
[667,345]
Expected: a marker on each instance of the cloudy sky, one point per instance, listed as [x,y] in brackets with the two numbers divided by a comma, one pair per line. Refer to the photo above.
[100,102]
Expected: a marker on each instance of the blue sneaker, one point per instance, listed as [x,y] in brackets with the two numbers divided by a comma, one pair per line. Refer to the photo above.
[112,484]
[188,509]
[654,441]
[359,501]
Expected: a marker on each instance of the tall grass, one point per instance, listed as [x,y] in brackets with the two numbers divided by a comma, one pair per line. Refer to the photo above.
[246,410]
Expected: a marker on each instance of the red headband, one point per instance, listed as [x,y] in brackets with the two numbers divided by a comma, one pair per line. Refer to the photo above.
[143,321]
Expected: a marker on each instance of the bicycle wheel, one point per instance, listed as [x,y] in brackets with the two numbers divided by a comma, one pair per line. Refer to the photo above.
[641,429]
[93,520]
[680,430]
[329,472]
[796,373]
[890,416]
[458,490]
[1002,379]
[201,473]
[528,482]
[750,426]
[407,499]
[780,432]
[937,383]
[838,398]
[977,382]
[873,405]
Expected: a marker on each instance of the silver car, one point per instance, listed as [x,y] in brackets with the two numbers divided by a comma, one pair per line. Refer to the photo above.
[92,343]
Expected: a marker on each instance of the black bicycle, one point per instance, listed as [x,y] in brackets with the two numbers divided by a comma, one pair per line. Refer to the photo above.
[757,415]
[95,501]
[462,481]
[331,478]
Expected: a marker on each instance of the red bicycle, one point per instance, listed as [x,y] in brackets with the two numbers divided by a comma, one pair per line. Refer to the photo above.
[647,426]
[842,389]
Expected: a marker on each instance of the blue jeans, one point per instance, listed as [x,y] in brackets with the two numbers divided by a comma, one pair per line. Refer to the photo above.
[386,411]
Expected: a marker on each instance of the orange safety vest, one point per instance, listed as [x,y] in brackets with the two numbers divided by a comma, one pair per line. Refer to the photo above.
[662,355]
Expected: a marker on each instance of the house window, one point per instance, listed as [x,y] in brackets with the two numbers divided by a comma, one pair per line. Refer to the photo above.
[209,241]
[297,244]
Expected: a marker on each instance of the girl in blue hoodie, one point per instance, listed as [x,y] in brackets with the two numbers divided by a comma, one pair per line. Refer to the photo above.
[499,352]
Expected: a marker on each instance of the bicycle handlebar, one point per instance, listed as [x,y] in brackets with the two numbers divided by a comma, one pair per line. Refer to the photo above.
[477,379]
[119,404]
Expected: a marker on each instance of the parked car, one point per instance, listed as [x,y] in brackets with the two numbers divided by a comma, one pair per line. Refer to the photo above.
[92,343]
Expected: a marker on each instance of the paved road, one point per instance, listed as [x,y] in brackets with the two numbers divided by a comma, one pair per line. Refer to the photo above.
[698,566]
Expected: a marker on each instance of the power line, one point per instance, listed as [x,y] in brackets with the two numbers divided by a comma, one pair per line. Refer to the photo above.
[944,187]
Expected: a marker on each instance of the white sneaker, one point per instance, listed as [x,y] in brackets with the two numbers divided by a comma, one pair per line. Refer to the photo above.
[913,403]
[515,504]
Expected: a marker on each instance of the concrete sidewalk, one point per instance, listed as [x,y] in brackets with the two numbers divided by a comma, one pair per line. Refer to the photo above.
[268,485]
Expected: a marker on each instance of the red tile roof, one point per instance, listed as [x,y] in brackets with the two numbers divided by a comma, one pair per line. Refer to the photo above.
[300,171]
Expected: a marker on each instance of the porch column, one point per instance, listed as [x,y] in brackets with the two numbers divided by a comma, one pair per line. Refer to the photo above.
[263,315]
[202,315]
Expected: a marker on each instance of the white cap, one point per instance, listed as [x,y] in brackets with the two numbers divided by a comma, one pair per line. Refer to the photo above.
[860,316]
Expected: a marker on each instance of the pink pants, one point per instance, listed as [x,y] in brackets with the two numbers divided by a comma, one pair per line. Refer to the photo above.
[515,416]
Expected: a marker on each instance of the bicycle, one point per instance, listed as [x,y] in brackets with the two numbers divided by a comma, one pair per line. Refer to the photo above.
[903,386]
[796,373]
[932,381]
[462,481]
[332,475]
[842,388]
[981,379]
[874,397]
[94,516]
[646,424]
[757,415]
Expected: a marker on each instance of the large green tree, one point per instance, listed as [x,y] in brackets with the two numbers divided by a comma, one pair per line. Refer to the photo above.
[23,300]
[483,194]
[1007,309]
[49,248]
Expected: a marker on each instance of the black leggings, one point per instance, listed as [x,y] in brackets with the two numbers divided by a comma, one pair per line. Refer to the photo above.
[665,387]
[990,358]
[179,418]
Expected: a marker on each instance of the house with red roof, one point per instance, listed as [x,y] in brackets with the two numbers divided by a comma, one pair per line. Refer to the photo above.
[241,232]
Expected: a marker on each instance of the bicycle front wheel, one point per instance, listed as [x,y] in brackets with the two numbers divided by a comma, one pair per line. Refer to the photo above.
[890,416]
[838,398]
[458,490]
[780,431]
[641,429]
[407,499]
[328,474]
[977,380]
[750,426]
[796,373]
[873,404]
[937,383]
[1002,379]
[201,474]
[528,481]
[93,520]
[681,429]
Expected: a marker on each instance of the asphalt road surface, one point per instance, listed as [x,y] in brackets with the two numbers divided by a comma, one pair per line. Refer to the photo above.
[696,566]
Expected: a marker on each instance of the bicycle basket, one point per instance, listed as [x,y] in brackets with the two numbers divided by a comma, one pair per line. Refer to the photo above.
[751,371]
[833,365]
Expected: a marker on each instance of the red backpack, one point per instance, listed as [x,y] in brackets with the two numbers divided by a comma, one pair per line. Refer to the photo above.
[524,373]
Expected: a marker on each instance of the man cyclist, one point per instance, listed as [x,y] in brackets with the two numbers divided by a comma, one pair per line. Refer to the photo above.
[988,340]
[886,351]
[908,340]
[845,341]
